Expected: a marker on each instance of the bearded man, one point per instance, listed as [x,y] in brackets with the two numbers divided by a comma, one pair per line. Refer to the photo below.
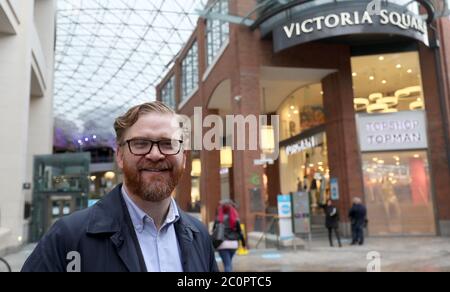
[138,227]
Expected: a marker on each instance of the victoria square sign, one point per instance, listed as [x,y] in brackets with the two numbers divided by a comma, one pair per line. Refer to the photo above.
[348,18]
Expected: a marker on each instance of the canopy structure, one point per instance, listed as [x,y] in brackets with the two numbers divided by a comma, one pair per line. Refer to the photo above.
[110,54]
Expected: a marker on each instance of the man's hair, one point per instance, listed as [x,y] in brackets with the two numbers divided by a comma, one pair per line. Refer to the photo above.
[126,121]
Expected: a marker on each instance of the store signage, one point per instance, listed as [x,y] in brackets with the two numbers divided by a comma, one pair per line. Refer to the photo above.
[346,19]
[334,189]
[285,215]
[399,131]
[304,144]
[302,217]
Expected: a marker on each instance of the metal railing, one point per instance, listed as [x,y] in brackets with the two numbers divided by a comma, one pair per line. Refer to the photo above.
[268,225]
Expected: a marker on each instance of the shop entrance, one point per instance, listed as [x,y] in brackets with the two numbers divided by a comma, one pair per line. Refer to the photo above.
[304,168]
[58,207]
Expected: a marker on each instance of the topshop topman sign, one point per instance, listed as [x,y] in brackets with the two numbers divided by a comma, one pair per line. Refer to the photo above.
[347,18]
[388,132]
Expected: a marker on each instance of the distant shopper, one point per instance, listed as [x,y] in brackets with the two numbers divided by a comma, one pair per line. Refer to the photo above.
[332,221]
[358,216]
[228,217]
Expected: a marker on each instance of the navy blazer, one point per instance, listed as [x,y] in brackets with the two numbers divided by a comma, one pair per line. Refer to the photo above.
[106,241]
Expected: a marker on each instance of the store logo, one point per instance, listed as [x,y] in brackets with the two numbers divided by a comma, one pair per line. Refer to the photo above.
[347,19]
[399,131]
[404,21]
[301,146]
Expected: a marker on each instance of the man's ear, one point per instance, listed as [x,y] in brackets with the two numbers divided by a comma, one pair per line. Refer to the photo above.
[119,157]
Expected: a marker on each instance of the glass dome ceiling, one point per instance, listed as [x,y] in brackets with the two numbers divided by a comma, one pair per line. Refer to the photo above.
[110,54]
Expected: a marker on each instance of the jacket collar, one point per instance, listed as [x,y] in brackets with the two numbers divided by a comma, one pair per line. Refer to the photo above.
[110,217]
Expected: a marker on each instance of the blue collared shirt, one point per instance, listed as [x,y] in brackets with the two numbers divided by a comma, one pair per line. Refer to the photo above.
[160,249]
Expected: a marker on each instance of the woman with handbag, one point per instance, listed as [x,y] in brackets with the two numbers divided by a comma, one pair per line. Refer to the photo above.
[227,233]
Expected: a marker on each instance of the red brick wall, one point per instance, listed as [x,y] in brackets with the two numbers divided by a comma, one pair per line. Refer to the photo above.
[437,148]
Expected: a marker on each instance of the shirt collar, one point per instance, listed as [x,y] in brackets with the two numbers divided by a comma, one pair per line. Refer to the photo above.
[139,217]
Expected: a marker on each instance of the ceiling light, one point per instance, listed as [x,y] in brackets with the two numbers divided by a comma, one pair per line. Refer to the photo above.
[372,78]
[399,66]
[384,81]
[355,74]
[409,71]
[381,58]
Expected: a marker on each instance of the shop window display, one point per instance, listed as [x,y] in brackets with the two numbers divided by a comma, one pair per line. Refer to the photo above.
[387,83]
[398,193]
[301,111]
[307,171]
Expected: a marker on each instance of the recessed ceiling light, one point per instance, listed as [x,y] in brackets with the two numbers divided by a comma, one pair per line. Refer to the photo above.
[399,66]
[409,71]
[384,81]
[372,78]
[381,58]
[355,74]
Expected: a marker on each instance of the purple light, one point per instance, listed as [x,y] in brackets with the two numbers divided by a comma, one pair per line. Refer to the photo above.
[94,137]
[86,139]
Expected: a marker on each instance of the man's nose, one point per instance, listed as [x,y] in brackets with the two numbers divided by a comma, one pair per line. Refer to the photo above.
[155,154]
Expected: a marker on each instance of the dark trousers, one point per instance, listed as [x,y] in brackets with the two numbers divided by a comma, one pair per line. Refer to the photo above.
[227,258]
[358,234]
[330,236]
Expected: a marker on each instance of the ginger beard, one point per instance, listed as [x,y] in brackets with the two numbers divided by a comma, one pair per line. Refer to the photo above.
[152,182]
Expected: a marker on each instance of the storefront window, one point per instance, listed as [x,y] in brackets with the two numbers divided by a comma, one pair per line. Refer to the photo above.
[398,193]
[301,111]
[304,168]
[387,83]
[168,93]
[189,67]
[217,31]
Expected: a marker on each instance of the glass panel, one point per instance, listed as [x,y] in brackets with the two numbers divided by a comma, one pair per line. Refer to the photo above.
[307,171]
[301,111]
[190,72]
[387,83]
[398,193]
[217,31]
[168,93]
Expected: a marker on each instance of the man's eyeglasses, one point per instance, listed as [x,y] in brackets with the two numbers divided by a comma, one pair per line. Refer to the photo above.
[143,147]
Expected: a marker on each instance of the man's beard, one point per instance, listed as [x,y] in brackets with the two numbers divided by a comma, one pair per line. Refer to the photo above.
[156,189]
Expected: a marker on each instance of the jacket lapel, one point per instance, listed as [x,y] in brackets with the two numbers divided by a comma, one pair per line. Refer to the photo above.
[126,250]
[185,234]
[109,216]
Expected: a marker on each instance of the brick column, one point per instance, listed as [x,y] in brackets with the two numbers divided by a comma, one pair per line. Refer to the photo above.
[343,150]
[183,192]
[436,131]
[210,179]
[245,83]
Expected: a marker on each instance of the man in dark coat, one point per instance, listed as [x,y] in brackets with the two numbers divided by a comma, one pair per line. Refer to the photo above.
[138,226]
[332,222]
[358,216]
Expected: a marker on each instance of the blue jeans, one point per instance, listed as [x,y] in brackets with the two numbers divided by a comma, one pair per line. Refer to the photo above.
[227,258]
[358,234]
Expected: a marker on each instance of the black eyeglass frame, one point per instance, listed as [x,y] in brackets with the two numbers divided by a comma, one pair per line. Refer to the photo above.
[153,144]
